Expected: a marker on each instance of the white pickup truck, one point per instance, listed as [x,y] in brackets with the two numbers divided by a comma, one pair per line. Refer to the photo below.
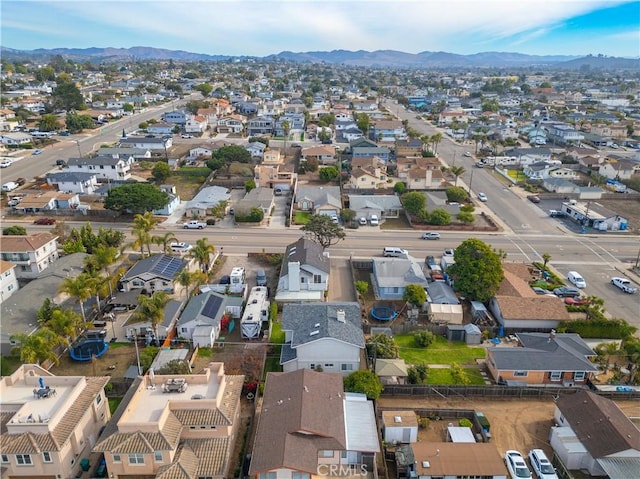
[194,225]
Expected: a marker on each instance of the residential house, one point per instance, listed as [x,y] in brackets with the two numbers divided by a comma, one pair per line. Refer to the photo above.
[517,307]
[205,199]
[154,273]
[388,130]
[231,124]
[196,124]
[384,206]
[391,371]
[360,106]
[564,134]
[434,460]
[323,336]
[260,197]
[296,123]
[177,117]
[368,173]
[308,426]
[590,163]
[348,134]
[31,254]
[304,275]
[172,204]
[272,156]
[543,170]
[106,168]
[175,426]
[420,173]
[38,203]
[157,145]
[619,169]
[49,423]
[365,151]
[256,148]
[324,154]
[278,177]
[588,213]
[81,183]
[558,185]
[160,128]
[200,319]
[260,125]
[8,280]
[128,154]
[392,275]
[543,359]
[408,148]
[592,434]
[164,328]
[15,138]
[399,427]
[319,200]
[529,156]
[200,152]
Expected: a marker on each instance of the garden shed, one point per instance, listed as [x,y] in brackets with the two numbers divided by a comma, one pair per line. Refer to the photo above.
[469,333]
[445,313]
[400,426]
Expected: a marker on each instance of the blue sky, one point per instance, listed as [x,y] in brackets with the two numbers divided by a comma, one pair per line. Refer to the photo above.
[242,27]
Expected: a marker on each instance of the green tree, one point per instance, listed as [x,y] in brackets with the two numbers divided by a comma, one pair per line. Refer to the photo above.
[456,194]
[102,257]
[364,382]
[78,287]
[414,294]
[14,230]
[477,270]
[459,375]
[418,374]
[363,123]
[37,347]
[465,217]
[165,241]
[255,215]
[232,153]
[414,202]
[202,252]
[249,185]
[151,308]
[546,257]
[382,346]
[439,216]
[142,226]
[457,171]
[328,173]
[64,323]
[128,107]
[135,198]
[286,130]
[160,172]
[48,122]
[46,74]
[45,312]
[204,88]
[175,366]
[399,188]
[323,230]
[67,96]
[362,287]
[347,215]
[424,338]
[76,123]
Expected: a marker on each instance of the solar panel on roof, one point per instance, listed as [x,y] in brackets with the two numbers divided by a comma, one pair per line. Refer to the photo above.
[167,266]
[212,306]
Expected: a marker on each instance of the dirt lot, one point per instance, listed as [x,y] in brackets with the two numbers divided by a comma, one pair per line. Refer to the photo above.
[629,209]
[515,424]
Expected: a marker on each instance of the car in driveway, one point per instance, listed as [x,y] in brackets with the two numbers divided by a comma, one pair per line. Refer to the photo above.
[362,221]
[374,220]
[430,261]
[576,301]
[261,277]
[482,197]
[566,292]
[36,152]
[431,235]
[541,465]
[449,252]
[557,214]
[45,221]
[180,247]
[516,466]
[541,291]
[624,284]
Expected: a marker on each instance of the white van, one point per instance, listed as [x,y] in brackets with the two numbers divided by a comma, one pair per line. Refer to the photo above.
[576,279]
[391,251]
[10,186]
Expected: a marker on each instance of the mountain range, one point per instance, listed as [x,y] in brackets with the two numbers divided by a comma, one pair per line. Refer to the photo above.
[378,58]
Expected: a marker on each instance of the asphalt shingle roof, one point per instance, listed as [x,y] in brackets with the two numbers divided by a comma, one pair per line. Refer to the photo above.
[306,252]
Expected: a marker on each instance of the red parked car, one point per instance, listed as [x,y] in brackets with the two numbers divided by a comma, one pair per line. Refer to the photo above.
[576,301]
[45,221]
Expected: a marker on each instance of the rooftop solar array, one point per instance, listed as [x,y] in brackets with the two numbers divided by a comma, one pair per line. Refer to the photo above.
[212,306]
[167,266]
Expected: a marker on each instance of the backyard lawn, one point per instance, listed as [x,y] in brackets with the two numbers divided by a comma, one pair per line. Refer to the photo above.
[301,217]
[440,351]
[441,376]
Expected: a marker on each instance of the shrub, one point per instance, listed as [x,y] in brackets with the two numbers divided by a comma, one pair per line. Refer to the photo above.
[464,422]
[423,338]
[211,221]
[362,287]
[439,217]
[418,374]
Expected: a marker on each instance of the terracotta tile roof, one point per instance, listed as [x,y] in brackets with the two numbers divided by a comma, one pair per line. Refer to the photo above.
[30,443]
[184,465]
[599,424]
[5,266]
[21,244]
[366,161]
[197,417]
[231,399]
[212,454]
[302,413]
[537,307]
[143,442]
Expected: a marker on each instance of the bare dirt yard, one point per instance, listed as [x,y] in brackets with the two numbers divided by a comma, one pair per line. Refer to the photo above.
[515,424]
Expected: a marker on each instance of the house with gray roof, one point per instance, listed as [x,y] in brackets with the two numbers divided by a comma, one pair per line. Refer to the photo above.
[117,152]
[171,313]
[200,319]
[304,275]
[71,182]
[106,168]
[593,434]
[153,144]
[543,359]
[260,197]
[384,206]
[323,336]
[392,275]
[206,199]
[155,273]
[381,152]
[319,200]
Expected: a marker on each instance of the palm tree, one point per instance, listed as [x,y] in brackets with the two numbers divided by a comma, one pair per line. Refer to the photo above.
[151,308]
[79,288]
[286,129]
[164,240]
[98,286]
[142,225]
[546,257]
[202,252]
[64,323]
[38,347]
[102,257]
[436,139]
[457,171]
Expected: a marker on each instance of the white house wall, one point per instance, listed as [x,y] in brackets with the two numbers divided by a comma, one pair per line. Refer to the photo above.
[326,352]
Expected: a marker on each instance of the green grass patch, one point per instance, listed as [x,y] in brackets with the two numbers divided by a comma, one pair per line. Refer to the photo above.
[119,345]
[301,217]
[272,365]
[277,334]
[444,377]
[202,171]
[9,365]
[113,404]
[440,351]
[399,223]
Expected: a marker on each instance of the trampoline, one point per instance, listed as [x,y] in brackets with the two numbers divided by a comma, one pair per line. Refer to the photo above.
[87,350]
[383,313]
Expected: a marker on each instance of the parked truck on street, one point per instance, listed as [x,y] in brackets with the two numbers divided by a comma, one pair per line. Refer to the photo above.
[194,225]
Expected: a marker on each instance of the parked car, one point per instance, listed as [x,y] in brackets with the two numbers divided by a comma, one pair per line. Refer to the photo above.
[362,221]
[557,214]
[193,225]
[515,464]
[566,292]
[541,466]
[539,290]
[36,152]
[576,279]
[467,154]
[374,220]
[430,261]
[431,235]
[61,163]
[482,197]
[45,221]
[186,135]
[261,277]
[624,284]
[479,164]
[448,252]
[64,133]
[534,199]
[5,163]
[226,279]
[180,247]
[576,301]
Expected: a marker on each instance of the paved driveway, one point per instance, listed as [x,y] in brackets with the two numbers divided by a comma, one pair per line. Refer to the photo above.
[341,287]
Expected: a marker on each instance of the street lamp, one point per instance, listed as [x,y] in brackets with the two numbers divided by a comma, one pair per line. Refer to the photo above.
[78,144]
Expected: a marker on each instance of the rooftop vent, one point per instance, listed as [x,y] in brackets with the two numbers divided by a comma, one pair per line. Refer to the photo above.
[313,333]
[397,419]
[317,325]
[426,464]
[341,316]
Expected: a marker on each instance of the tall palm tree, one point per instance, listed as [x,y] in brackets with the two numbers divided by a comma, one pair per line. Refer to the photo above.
[164,240]
[457,171]
[98,285]
[142,225]
[286,129]
[185,279]
[79,288]
[436,138]
[546,257]
[64,323]
[37,347]
[202,252]
[151,308]
[102,257]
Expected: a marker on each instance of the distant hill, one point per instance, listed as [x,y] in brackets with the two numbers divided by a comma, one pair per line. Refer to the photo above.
[378,58]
